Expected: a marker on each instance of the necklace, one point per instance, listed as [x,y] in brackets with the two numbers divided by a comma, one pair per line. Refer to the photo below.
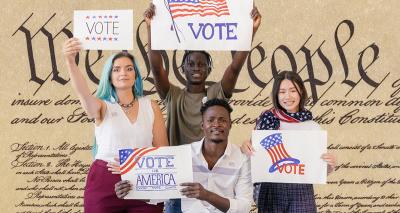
[126,107]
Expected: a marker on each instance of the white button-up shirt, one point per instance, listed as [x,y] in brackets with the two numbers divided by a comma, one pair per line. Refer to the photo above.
[230,178]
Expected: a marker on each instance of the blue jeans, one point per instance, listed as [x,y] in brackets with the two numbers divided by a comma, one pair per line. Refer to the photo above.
[173,206]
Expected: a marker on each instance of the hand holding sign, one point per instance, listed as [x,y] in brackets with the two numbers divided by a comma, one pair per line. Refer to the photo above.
[155,172]
[203,24]
[289,156]
[256,16]
[122,188]
[194,190]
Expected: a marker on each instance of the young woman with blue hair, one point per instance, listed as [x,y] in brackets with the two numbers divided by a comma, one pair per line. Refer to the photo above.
[124,118]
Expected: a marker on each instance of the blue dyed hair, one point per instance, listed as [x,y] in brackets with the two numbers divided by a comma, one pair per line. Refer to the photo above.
[106,90]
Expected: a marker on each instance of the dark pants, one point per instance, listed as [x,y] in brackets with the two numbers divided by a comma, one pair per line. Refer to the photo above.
[173,206]
[100,197]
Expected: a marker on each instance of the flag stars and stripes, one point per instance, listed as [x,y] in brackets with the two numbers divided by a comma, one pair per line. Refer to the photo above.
[130,157]
[182,8]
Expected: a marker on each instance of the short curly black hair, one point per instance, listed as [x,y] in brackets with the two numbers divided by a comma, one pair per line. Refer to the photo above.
[216,102]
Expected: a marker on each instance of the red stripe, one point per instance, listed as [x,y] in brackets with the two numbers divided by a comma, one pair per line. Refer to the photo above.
[282,116]
[202,8]
[277,152]
[280,151]
[196,5]
[284,150]
[137,159]
[275,155]
[271,155]
[201,11]
[204,14]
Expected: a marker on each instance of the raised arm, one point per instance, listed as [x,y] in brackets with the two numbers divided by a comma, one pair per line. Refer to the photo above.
[232,72]
[159,130]
[156,64]
[93,106]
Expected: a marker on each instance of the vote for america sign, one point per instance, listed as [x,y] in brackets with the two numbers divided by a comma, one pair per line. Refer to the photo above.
[156,172]
[104,29]
[288,156]
[202,25]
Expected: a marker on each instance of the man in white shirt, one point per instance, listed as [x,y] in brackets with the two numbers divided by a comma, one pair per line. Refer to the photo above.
[221,173]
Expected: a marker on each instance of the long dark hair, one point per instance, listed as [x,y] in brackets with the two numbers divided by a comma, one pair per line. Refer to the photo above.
[298,84]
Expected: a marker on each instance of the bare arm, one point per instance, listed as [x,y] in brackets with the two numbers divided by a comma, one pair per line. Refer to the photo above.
[159,130]
[93,106]
[156,64]
[232,72]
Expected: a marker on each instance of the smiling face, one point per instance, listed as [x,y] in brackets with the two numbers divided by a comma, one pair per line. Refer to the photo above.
[123,73]
[288,96]
[196,68]
[216,124]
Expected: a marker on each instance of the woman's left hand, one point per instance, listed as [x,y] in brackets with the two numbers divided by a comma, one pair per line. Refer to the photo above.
[113,167]
[122,188]
[331,160]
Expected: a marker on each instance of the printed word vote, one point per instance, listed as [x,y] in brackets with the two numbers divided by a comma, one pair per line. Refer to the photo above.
[220,31]
[156,162]
[103,27]
[296,169]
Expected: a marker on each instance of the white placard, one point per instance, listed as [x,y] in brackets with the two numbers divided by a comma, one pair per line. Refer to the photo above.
[156,172]
[202,25]
[104,29]
[289,156]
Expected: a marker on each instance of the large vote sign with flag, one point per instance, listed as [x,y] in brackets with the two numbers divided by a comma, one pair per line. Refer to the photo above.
[104,29]
[156,172]
[202,25]
[289,156]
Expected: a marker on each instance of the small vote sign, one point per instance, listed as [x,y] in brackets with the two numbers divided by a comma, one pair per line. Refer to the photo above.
[104,29]
[289,156]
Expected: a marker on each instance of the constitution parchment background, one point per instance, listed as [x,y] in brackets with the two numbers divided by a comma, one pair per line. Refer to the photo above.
[347,51]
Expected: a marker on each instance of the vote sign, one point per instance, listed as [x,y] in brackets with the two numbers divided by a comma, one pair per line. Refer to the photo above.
[156,172]
[288,156]
[104,29]
[202,25]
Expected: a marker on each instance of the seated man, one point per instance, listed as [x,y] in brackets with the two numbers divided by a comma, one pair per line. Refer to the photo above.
[221,173]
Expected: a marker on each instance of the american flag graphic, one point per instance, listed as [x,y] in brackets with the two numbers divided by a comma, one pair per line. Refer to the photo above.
[128,158]
[181,8]
[274,146]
